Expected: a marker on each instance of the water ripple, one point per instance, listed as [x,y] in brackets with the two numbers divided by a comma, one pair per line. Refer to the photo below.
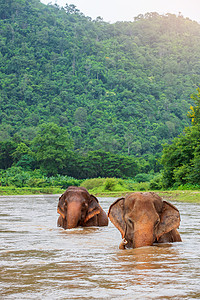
[40,261]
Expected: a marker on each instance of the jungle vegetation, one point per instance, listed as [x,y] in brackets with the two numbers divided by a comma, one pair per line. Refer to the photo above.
[83,98]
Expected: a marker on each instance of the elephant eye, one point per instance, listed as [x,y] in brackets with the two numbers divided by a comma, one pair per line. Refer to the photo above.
[130,222]
[84,205]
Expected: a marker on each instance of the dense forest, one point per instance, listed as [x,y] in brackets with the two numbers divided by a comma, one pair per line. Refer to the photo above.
[86,98]
[181,158]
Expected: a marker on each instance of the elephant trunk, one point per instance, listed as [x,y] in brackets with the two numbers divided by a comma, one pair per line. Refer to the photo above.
[73,214]
[143,236]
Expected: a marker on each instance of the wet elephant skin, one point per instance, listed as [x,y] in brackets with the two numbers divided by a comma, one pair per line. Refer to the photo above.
[78,208]
[144,219]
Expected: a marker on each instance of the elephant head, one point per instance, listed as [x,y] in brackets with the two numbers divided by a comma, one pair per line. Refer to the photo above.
[78,208]
[143,219]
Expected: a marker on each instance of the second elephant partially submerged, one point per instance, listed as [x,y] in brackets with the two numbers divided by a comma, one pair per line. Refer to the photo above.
[144,219]
[78,208]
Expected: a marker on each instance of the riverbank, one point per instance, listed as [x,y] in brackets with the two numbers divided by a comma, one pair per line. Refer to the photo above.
[191,196]
[4,190]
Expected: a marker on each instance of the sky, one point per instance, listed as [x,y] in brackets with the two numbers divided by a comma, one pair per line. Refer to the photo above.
[125,10]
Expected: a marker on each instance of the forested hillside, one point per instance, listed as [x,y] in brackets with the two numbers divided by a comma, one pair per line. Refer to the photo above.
[122,88]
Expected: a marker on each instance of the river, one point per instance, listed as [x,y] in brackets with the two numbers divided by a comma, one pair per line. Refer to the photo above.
[40,261]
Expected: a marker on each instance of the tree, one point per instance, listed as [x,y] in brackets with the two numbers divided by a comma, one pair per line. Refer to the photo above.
[98,80]
[181,158]
[24,157]
[52,146]
[129,139]
[21,150]
[194,114]
[6,150]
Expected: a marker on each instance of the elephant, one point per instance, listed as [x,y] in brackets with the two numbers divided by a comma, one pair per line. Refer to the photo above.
[78,208]
[144,219]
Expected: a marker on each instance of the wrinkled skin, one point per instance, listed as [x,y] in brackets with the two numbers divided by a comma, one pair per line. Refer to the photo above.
[144,219]
[78,208]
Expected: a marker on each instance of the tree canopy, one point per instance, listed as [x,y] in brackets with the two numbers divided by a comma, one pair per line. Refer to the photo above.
[101,81]
[119,89]
[52,145]
[181,159]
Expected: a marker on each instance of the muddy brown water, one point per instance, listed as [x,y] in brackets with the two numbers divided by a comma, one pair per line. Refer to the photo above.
[40,261]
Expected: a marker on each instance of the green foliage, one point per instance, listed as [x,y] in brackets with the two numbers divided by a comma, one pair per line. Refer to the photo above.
[14,176]
[109,184]
[156,183]
[21,150]
[7,149]
[96,164]
[11,190]
[119,88]
[17,177]
[181,159]
[87,99]
[51,152]
[188,186]
[194,114]
[92,183]
[63,181]
[143,177]
[106,185]
[52,146]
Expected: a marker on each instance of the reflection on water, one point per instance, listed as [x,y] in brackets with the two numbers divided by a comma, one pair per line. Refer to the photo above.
[40,261]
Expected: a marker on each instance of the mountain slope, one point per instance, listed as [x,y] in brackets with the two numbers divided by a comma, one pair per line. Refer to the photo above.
[123,87]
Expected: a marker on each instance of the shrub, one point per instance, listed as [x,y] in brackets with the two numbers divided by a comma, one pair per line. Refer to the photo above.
[92,183]
[156,182]
[130,184]
[189,186]
[143,177]
[16,176]
[110,183]
[63,181]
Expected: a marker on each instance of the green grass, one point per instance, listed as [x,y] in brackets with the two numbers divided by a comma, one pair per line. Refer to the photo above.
[108,187]
[9,190]
[192,196]
[113,185]
[182,196]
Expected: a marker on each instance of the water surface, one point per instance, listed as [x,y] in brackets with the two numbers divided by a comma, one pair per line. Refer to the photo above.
[40,261]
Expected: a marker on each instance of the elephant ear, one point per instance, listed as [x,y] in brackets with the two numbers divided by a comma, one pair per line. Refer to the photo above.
[60,207]
[93,208]
[115,213]
[169,219]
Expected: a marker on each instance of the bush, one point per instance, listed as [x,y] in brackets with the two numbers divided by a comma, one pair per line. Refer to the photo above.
[156,183]
[63,181]
[110,183]
[14,176]
[101,185]
[17,177]
[143,177]
[142,186]
[188,186]
[98,185]
[92,183]
[37,182]
[130,184]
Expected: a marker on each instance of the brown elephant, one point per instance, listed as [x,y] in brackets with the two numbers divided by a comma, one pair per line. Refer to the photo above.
[78,208]
[144,219]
